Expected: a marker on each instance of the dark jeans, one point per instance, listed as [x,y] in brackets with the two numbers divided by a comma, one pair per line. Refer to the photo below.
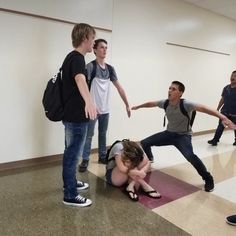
[220,128]
[103,120]
[183,142]
[75,134]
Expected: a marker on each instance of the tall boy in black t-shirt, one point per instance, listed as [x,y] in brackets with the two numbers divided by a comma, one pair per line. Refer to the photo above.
[79,108]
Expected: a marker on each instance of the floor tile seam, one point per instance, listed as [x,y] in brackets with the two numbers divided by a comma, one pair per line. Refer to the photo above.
[186,162]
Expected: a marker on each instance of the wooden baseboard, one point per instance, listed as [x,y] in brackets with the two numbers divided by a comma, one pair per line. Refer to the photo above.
[57,158]
[30,162]
[204,132]
[34,162]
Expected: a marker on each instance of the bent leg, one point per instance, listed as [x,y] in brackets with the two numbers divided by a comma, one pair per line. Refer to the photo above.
[160,139]
[118,178]
[219,130]
[184,144]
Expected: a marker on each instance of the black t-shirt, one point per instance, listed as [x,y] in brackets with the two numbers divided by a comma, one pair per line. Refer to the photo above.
[73,65]
[229,95]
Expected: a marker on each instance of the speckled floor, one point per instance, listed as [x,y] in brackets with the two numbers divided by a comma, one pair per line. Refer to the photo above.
[31,198]
[31,204]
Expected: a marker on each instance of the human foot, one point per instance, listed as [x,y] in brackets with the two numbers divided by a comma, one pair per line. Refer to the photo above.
[131,193]
[151,193]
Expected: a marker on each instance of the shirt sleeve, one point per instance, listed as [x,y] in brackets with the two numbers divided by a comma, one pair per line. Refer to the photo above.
[160,103]
[116,150]
[113,75]
[78,66]
[189,106]
[224,91]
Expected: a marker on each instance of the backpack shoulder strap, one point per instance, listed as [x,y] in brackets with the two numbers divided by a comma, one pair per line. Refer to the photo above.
[109,149]
[184,112]
[109,67]
[93,74]
[182,108]
[192,117]
[166,103]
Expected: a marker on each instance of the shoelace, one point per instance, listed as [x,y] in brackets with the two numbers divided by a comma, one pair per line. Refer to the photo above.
[80,198]
[80,184]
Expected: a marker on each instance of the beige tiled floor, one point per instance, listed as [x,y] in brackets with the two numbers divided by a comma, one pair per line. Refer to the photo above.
[31,199]
[199,213]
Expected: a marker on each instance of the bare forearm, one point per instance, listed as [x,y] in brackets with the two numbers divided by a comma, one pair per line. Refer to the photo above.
[123,96]
[145,105]
[83,89]
[90,108]
[210,111]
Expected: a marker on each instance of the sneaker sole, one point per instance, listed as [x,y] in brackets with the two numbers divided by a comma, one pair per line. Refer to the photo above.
[82,188]
[208,190]
[230,223]
[76,204]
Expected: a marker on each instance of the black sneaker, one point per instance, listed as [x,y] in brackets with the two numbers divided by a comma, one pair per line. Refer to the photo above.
[102,161]
[78,201]
[212,142]
[209,184]
[82,185]
[83,165]
[231,220]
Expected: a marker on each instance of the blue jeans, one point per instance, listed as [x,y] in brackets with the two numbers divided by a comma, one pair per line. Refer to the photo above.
[183,142]
[103,120]
[75,134]
[220,128]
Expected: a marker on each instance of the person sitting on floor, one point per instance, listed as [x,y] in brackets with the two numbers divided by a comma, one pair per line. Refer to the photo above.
[128,165]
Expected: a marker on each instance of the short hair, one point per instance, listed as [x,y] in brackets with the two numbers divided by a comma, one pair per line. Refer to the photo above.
[180,85]
[81,32]
[132,152]
[97,41]
[234,72]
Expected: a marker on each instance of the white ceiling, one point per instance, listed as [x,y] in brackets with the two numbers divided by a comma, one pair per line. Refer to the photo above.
[223,7]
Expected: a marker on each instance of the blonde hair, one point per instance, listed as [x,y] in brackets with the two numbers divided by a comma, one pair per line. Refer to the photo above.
[81,32]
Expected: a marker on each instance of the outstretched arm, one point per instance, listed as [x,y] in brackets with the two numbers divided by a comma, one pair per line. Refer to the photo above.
[145,105]
[123,96]
[225,121]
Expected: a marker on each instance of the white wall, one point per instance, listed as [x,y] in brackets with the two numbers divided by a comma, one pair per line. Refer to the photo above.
[146,64]
[32,50]
[88,11]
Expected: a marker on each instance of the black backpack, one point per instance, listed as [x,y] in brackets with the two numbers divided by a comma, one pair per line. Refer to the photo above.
[93,74]
[53,97]
[109,149]
[184,112]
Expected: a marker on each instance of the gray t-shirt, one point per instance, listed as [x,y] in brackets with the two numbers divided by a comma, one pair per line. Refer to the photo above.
[100,87]
[117,149]
[177,121]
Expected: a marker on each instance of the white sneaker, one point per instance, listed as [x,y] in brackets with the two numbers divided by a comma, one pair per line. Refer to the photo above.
[78,201]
